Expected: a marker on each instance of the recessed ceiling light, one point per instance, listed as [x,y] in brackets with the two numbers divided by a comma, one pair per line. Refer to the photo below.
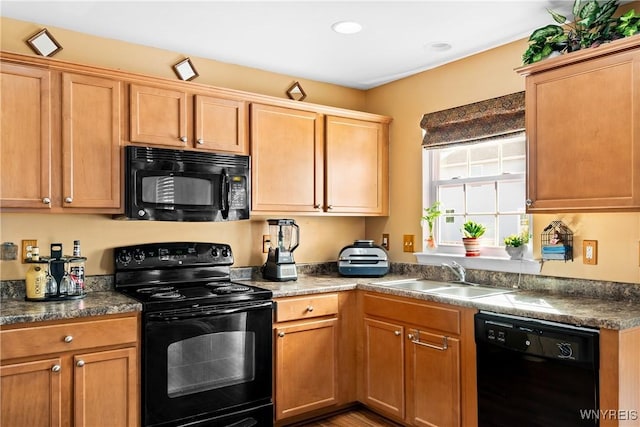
[347,27]
[439,46]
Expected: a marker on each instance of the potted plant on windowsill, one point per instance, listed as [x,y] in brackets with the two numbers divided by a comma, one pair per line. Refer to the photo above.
[472,231]
[515,245]
[430,216]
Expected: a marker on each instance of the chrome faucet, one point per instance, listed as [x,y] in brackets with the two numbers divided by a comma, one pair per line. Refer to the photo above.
[457,269]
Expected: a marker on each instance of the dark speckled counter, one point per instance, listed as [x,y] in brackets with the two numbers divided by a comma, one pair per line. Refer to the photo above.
[576,310]
[94,304]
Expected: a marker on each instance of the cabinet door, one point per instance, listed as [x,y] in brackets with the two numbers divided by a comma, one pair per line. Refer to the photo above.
[31,394]
[306,361]
[384,383]
[90,142]
[357,166]
[584,135]
[221,124]
[287,159]
[25,137]
[158,116]
[433,365]
[105,388]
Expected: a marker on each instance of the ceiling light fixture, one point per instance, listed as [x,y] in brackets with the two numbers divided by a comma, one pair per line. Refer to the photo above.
[347,27]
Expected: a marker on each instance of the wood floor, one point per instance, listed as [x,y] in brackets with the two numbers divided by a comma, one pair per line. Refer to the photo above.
[359,417]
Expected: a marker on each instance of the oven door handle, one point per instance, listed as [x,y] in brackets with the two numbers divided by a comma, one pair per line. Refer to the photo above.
[205,312]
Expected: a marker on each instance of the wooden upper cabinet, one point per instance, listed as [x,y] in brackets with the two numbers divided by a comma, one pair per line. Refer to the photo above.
[357,166]
[177,118]
[287,159]
[583,130]
[90,142]
[25,137]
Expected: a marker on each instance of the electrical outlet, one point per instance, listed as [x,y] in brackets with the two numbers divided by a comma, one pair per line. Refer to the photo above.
[25,243]
[266,242]
[590,252]
[385,241]
[408,240]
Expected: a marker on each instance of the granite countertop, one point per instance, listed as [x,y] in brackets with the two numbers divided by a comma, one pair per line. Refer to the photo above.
[576,310]
[587,311]
[15,310]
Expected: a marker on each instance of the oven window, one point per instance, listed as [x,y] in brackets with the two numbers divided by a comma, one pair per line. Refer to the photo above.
[211,361]
[177,190]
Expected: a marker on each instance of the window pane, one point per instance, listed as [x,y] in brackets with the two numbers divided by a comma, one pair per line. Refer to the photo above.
[508,225]
[489,222]
[452,198]
[511,196]
[484,160]
[450,230]
[481,198]
[453,163]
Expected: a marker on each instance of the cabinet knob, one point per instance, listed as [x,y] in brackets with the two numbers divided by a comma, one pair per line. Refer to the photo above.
[46,200]
[183,138]
[397,333]
[68,199]
[316,206]
[310,308]
[281,334]
[80,363]
[200,141]
[410,336]
[55,368]
[330,207]
[68,338]
[528,202]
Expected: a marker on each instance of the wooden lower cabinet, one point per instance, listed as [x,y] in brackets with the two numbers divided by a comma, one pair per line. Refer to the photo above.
[94,382]
[419,361]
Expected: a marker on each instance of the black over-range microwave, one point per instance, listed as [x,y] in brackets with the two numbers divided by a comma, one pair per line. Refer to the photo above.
[176,185]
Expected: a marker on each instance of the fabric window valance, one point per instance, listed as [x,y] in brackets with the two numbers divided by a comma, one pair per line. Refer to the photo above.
[475,122]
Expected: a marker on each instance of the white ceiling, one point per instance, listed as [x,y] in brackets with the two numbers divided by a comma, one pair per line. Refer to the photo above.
[295,37]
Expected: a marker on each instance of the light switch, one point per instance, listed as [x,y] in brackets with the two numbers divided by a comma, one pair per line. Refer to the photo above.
[590,252]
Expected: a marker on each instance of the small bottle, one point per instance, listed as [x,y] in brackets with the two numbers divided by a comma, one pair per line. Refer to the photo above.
[36,282]
[76,248]
[76,273]
[35,253]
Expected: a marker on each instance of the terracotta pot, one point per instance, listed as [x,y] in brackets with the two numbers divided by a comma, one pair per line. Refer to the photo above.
[471,246]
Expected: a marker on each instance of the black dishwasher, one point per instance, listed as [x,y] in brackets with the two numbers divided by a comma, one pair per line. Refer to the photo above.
[535,373]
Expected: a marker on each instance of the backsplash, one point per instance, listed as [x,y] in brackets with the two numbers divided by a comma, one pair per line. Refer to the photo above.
[578,287]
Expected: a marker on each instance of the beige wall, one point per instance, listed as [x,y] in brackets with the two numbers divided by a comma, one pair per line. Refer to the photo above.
[483,76]
[486,75]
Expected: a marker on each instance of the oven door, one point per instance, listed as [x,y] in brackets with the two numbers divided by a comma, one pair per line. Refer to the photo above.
[206,362]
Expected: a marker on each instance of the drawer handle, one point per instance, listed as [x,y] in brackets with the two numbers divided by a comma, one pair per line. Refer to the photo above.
[415,339]
[68,338]
[55,368]
[398,333]
[80,363]
[281,334]
[310,308]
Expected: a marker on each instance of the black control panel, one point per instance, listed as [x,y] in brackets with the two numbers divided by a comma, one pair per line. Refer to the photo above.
[159,255]
[537,338]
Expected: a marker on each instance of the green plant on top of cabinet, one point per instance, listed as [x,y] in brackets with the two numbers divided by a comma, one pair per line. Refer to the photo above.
[60,140]
[172,116]
[304,161]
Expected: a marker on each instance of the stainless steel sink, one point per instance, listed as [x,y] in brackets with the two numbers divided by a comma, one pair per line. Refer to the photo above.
[469,292]
[422,285]
[460,290]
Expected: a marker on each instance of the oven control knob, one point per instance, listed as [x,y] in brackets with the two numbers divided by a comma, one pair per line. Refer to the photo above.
[215,252]
[225,253]
[124,257]
[565,349]
[138,255]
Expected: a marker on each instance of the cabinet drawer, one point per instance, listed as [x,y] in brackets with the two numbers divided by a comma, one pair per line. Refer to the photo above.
[428,315]
[49,339]
[306,307]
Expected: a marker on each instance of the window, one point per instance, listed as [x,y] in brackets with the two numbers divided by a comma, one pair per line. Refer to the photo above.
[484,182]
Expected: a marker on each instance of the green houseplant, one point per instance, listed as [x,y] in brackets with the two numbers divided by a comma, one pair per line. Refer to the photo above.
[471,232]
[593,24]
[430,216]
[514,244]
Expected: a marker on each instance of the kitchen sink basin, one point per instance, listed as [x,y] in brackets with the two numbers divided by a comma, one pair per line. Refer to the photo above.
[460,290]
[469,292]
[422,285]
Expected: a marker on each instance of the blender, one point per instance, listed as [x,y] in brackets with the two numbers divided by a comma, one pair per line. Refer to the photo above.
[284,238]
